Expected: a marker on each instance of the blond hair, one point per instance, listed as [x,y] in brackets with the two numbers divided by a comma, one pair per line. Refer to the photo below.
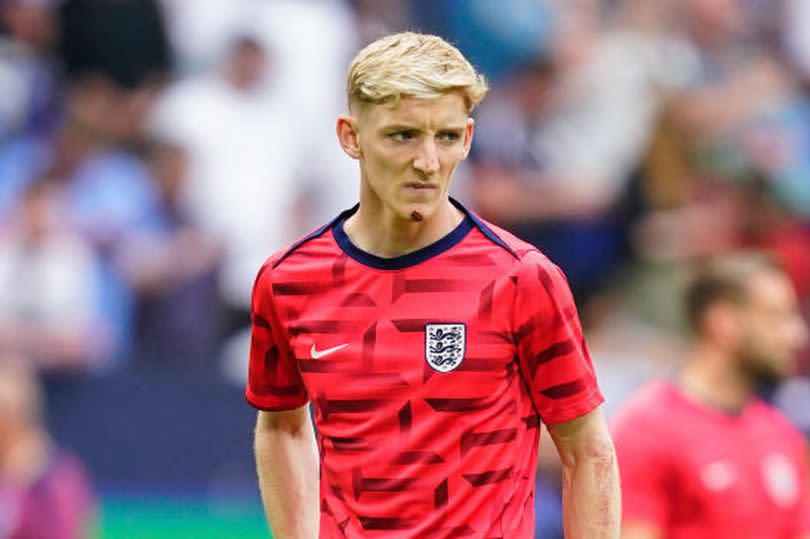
[412,64]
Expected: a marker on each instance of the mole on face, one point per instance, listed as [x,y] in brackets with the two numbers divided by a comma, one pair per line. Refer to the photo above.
[416,216]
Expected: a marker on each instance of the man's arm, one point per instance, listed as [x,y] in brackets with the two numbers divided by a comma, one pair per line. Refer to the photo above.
[287,465]
[641,530]
[590,477]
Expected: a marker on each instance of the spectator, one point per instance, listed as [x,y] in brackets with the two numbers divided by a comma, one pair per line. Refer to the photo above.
[252,184]
[108,194]
[567,133]
[729,163]
[125,41]
[44,490]
[173,269]
[231,163]
[29,73]
[50,288]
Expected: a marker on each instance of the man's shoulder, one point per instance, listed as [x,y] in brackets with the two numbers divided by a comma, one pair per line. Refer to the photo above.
[523,254]
[528,268]
[301,255]
[502,237]
[776,421]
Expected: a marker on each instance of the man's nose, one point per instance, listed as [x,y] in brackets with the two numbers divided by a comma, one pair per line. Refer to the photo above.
[427,160]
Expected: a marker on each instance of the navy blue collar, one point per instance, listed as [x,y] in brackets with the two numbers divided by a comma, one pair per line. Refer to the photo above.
[407,260]
[453,238]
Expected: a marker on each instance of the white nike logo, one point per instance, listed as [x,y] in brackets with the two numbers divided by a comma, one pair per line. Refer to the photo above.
[317,354]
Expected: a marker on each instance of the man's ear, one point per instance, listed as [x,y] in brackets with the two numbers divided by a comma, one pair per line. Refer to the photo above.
[469,130]
[348,136]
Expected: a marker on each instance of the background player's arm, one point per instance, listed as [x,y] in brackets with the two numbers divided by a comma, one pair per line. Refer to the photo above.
[591,497]
[287,464]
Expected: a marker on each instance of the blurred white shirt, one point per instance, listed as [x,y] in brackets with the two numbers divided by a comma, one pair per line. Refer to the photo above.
[253,155]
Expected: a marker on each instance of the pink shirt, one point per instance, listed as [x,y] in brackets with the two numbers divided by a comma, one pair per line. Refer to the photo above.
[59,505]
[697,472]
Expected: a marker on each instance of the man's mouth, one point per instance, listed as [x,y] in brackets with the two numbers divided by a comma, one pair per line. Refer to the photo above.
[420,185]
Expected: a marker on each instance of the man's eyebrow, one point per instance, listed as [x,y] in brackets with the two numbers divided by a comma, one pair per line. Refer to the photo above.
[413,127]
[399,127]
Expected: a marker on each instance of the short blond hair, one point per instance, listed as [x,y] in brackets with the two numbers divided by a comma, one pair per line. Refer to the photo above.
[412,64]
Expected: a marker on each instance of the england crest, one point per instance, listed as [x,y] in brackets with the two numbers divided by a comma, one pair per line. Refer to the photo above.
[445,345]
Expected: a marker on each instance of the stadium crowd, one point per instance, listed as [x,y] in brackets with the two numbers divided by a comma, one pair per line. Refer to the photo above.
[154,152]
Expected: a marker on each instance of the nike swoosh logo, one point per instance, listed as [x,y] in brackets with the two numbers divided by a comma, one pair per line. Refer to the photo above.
[317,354]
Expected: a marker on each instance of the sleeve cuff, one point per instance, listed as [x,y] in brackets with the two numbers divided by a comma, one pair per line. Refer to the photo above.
[577,409]
[271,405]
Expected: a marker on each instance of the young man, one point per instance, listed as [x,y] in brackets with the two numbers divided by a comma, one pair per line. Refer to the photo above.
[431,344]
[702,457]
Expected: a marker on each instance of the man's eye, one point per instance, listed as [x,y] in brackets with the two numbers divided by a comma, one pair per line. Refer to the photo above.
[449,136]
[401,136]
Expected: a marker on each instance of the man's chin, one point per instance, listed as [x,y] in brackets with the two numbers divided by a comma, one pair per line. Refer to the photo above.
[765,377]
[416,212]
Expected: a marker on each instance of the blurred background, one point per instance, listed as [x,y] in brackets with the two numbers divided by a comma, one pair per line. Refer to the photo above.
[154,152]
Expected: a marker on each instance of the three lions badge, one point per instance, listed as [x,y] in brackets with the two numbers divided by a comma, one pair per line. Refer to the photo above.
[445,345]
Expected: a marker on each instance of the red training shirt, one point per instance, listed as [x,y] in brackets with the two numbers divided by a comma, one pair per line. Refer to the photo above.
[429,376]
[697,472]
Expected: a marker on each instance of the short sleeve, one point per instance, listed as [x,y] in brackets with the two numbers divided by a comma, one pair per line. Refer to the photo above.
[274,381]
[553,357]
[644,471]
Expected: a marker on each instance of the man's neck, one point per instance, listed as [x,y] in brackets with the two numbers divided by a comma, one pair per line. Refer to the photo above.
[379,231]
[711,379]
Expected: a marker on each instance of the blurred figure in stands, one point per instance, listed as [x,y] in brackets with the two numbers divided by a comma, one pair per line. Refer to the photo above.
[44,491]
[239,168]
[125,41]
[728,165]
[107,193]
[565,134]
[252,184]
[173,268]
[701,456]
[49,287]
[29,72]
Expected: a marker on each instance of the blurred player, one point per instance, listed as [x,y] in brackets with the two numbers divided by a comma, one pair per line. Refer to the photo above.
[702,456]
[430,343]
[44,492]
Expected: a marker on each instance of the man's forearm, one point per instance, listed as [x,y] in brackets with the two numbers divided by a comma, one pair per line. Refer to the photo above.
[591,495]
[287,465]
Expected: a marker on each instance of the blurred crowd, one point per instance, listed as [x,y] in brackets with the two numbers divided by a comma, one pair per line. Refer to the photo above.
[154,152]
